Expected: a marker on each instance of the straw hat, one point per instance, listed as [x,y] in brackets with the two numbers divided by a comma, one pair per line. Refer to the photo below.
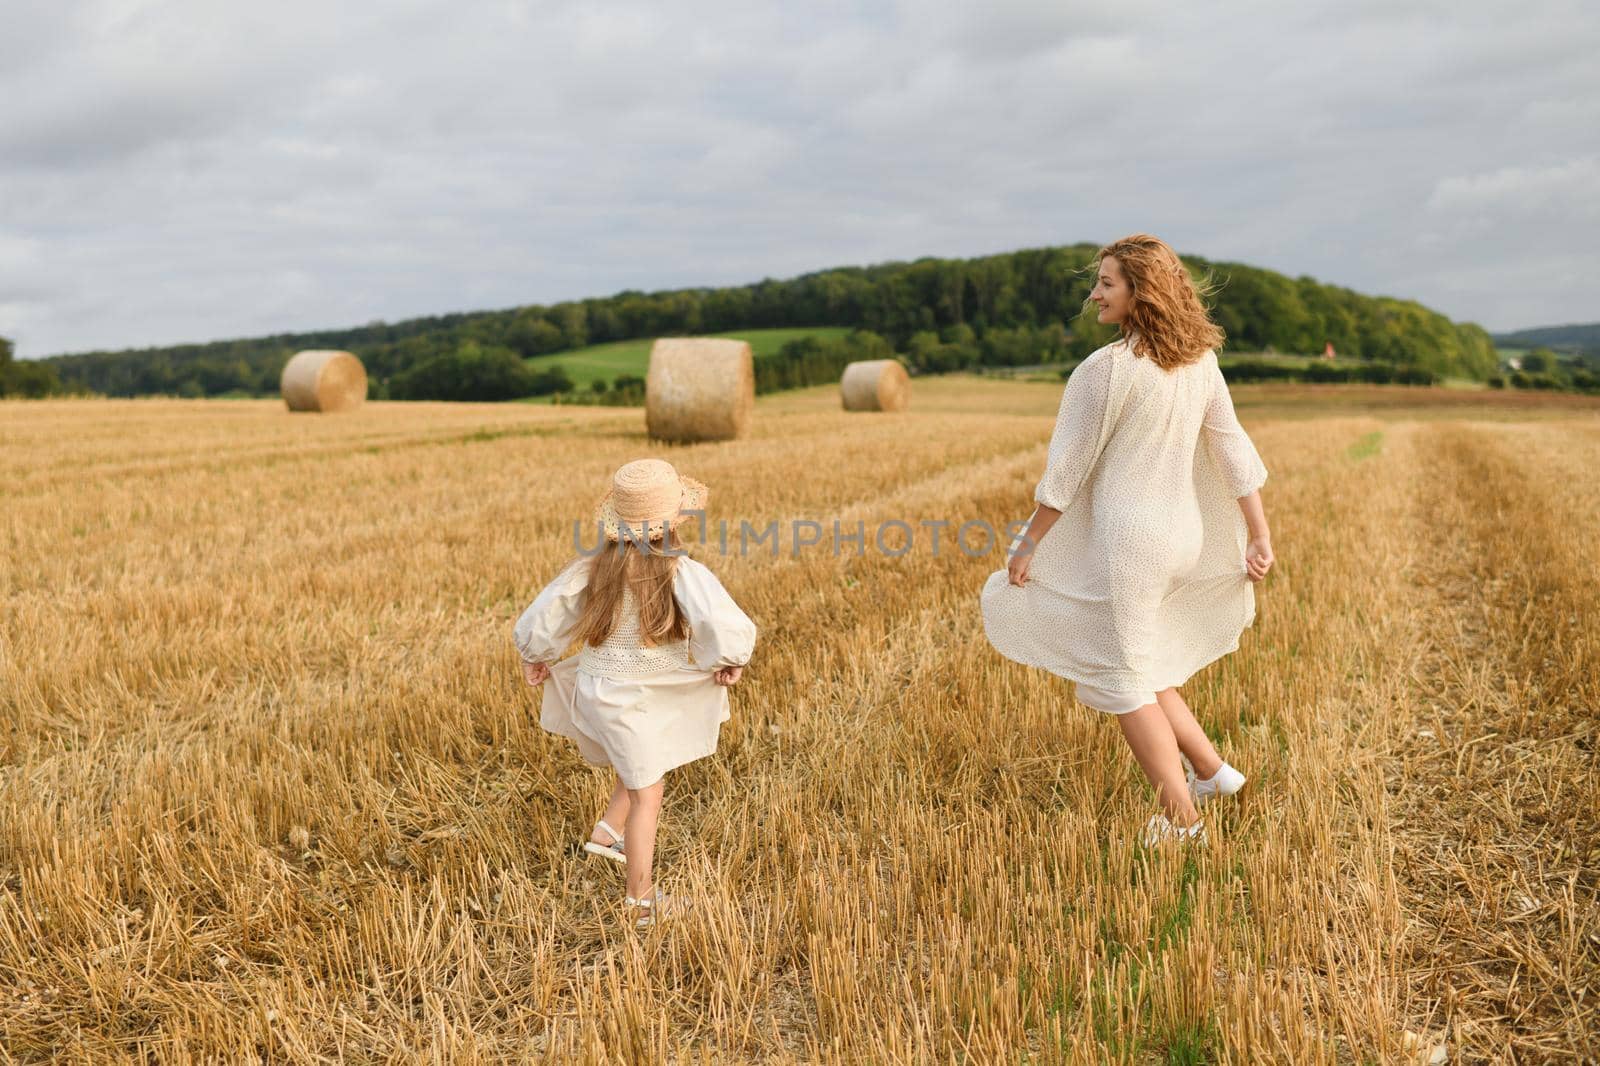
[648,493]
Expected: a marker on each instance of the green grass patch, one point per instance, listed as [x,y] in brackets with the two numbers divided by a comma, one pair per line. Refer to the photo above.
[1298,361]
[1191,1045]
[603,362]
[1367,446]
[1174,923]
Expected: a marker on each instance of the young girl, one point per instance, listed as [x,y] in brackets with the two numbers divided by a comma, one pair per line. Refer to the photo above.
[662,641]
[1137,566]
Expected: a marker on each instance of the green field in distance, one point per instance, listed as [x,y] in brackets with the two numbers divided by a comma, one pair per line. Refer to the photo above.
[606,361]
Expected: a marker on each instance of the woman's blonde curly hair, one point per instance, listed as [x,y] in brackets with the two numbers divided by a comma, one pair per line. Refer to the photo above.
[1167,322]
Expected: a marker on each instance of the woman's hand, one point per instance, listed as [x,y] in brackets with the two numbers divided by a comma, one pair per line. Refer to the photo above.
[535,673]
[1258,557]
[727,675]
[1017,568]
[1017,565]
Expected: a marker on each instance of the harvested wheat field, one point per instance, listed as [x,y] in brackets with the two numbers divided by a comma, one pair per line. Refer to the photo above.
[271,788]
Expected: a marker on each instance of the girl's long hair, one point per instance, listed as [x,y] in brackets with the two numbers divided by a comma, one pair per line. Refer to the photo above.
[648,572]
[1167,323]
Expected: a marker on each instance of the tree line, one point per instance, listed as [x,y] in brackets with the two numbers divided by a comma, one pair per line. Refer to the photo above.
[1017,308]
[1545,368]
[1580,339]
[30,379]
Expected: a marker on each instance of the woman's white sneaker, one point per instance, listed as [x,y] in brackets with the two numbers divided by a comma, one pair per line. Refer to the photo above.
[1160,829]
[1225,782]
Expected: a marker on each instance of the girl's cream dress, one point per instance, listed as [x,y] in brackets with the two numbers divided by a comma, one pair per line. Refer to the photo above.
[1142,581]
[642,710]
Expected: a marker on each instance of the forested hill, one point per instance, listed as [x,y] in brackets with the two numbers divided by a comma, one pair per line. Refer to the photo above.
[1017,295]
[1582,339]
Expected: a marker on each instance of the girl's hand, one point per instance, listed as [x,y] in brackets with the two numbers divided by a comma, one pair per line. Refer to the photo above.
[727,675]
[535,673]
[1017,568]
[1258,557]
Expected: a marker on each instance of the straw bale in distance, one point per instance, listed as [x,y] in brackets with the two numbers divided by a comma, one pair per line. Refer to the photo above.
[699,388]
[323,380]
[875,385]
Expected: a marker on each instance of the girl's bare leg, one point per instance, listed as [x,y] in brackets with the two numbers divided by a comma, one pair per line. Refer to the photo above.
[1150,736]
[616,813]
[1192,739]
[643,810]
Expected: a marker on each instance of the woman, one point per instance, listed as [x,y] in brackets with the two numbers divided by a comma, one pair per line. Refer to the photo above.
[1135,570]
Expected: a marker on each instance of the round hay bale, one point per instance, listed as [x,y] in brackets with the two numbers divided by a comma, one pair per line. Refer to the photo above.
[875,385]
[323,380]
[699,388]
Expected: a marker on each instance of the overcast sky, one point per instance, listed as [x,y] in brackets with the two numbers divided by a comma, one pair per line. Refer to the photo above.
[183,170]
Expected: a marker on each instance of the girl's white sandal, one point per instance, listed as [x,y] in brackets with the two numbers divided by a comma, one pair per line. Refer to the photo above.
[658,904]
[612,850]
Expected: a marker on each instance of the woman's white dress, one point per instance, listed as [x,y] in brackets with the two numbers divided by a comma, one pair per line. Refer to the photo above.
[1141,581]
[642,710]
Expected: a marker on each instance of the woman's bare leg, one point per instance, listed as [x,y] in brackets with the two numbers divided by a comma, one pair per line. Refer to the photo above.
[1192,739]
[1150,736]
[643,810]
[616,813]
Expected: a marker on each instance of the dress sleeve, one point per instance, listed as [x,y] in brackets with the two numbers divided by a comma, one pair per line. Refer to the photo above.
[545,629]
[1230,446]
[720,633]
[1079,435]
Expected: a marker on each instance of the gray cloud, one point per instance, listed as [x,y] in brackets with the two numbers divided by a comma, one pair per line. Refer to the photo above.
[175,171]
